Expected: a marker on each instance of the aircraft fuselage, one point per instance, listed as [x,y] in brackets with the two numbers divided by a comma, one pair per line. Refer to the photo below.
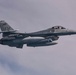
[46,37]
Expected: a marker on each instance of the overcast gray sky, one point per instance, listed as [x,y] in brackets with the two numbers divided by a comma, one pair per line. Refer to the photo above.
[34,15]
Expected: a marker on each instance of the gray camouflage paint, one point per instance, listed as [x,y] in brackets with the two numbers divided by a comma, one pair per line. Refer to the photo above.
[34,15]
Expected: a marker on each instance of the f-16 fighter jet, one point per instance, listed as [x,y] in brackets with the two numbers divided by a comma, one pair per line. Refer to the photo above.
[13,38]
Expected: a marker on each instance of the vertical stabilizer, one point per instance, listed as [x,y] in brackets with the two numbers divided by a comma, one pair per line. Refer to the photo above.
[5,27]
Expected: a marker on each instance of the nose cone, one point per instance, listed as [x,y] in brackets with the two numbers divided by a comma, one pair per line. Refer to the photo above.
[71,31]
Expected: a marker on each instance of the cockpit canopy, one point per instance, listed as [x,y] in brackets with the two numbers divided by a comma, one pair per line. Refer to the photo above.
[58,27]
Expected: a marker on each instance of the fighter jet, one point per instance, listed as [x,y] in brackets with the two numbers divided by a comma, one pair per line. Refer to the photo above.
[13,38]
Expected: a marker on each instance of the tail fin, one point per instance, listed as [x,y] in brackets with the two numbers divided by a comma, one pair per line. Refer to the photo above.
[5,27]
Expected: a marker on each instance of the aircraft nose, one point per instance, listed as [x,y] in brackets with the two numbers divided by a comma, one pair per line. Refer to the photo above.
[72,31]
